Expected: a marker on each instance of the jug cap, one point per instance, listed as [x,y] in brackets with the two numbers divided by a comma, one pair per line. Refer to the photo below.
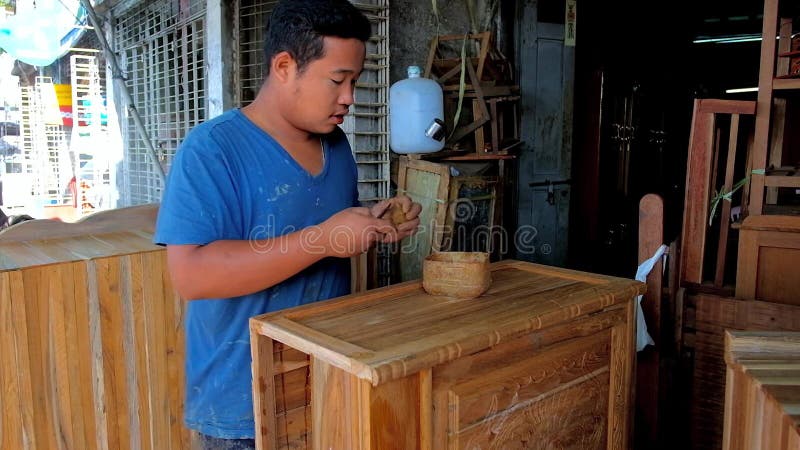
[414,71]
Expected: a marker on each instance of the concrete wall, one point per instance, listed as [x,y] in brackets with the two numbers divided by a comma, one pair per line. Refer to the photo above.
[412,25]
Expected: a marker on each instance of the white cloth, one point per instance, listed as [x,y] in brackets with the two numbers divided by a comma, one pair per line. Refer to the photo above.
[643,339]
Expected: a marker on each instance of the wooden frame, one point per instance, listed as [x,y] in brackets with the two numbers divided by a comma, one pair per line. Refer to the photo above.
[455,199]
[428,184]
[770,120]
[444,65]
[700,180]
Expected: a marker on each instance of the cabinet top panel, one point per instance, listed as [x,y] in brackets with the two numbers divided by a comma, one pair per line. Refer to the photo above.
[392,332]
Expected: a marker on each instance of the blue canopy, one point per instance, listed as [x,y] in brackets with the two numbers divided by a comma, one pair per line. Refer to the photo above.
[40,35]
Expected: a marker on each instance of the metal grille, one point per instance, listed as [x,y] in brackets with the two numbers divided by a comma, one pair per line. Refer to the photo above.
[44,144]
[162,55]
[366,126]
[90,143]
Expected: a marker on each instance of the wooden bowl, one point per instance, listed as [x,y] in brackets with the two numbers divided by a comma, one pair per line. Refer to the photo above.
[456,274]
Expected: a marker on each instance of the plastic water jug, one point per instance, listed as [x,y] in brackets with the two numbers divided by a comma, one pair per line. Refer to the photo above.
[416,113]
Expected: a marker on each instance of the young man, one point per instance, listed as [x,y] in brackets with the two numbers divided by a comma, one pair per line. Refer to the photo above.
[260,214]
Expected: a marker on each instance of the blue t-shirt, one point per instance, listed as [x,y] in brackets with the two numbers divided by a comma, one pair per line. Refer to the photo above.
[231,180]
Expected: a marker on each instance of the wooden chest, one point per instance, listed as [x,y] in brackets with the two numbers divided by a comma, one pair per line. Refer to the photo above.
[544,359]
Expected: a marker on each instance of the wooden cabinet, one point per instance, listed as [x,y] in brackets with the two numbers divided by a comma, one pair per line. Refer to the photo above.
[544,359]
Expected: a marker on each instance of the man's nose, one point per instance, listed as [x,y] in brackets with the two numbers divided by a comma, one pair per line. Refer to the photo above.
[347,95]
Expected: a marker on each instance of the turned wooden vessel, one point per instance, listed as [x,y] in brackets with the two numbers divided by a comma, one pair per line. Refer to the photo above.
[456,274]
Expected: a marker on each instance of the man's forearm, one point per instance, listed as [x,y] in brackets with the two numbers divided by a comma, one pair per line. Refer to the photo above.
[224,269]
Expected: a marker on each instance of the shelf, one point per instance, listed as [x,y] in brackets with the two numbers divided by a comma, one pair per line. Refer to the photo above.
[785,83]
[792,181]
[477,157]
[789,54]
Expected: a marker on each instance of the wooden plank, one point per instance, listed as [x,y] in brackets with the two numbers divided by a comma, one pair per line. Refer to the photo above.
[394,414]
[115,386]
[11,408]
[695,215]
[21,310]
[776,145]
[573,414]
[140,322]
[36,295]
[724,223]
[764,105]
[156,345]
[174,345]
[651,237]
[717,106]
[341,424]
[263,389]
[622,373]
[86,326]
[426,409]
[512,382]
[60,281]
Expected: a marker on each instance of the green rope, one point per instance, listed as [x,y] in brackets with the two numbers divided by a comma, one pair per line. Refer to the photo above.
[722,195]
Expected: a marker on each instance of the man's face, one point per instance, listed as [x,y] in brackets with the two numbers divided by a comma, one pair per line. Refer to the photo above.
[323,92]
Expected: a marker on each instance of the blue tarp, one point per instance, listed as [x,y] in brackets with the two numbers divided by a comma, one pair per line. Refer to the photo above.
[38,36]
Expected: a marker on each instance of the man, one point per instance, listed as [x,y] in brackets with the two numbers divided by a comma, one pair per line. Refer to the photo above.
[260,214]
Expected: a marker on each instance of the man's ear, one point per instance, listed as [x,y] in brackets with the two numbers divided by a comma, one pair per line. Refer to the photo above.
[283,66]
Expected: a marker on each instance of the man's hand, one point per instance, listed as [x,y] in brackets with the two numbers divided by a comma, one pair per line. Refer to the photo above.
[408,221]
[350,232]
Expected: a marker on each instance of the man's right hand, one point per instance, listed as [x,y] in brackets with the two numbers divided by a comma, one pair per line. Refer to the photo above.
[351,232]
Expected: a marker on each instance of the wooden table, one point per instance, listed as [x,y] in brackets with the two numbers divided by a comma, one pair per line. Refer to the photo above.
[762,394]
[544,359]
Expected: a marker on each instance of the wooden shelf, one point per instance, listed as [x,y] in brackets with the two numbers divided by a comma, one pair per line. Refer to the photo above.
[782,181]
[477,157]
[785,83]
[789,54]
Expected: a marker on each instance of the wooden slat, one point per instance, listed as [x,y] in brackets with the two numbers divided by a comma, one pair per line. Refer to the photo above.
[111,323]
[651,237]
[698,173]
[11,407]
[263,389]
[620,397]
[59,294]
[764,104]
[35,287]
[152,290]
[140,324]
[716,106]
[724,223]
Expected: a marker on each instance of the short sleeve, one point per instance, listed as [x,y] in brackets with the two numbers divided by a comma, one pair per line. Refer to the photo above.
[200,203]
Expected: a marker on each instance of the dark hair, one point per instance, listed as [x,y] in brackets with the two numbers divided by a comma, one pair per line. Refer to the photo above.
[298,26]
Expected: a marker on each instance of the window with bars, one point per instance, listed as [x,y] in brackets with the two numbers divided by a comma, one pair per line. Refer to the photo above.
[160,46]
[367,124]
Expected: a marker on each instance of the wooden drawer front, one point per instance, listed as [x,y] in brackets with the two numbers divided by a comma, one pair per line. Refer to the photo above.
[509,398]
